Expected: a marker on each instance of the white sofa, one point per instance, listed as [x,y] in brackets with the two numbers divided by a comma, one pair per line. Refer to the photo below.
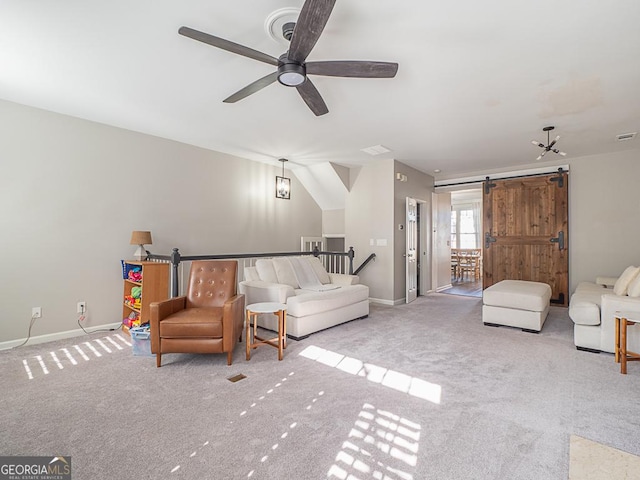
[593,307]
[315,299]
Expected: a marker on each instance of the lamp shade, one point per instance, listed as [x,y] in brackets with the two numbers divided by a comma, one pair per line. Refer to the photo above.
[140,238]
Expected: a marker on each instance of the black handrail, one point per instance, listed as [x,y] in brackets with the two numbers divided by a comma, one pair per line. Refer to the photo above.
[175,258]
[364,264]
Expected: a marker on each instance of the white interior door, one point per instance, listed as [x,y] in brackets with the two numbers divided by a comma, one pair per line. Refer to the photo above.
[411,256]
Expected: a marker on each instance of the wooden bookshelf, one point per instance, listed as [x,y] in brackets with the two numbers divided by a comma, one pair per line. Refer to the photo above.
[154,284]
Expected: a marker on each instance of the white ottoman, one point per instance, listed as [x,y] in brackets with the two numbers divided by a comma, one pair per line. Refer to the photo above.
[516,303]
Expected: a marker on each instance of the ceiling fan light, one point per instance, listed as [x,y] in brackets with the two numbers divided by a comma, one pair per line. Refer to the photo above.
[291,79]
[291,73]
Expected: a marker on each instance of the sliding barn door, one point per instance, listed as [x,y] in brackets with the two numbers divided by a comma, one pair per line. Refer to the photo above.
[526,232]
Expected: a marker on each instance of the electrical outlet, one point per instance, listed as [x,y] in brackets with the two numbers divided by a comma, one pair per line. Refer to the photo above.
[81,307]
[36,312]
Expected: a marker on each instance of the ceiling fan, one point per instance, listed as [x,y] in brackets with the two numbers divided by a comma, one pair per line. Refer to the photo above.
[549,146]
[292,68]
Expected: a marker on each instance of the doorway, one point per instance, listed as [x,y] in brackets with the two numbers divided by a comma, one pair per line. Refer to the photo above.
[466,243]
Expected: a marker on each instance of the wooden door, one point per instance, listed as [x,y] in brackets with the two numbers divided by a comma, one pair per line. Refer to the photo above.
[526,232]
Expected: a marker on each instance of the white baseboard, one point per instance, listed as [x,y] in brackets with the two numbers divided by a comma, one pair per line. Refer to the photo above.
[50,337]
[444,287]
[391,303]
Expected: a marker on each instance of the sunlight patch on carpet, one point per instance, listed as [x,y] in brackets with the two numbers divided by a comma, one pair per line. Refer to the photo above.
[589,460]
[67,359]
[416,387]
[381,444]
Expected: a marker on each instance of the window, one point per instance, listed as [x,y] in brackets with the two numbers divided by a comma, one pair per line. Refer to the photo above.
[465,226]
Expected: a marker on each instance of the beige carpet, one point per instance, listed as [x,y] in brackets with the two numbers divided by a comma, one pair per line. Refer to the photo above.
[590,460]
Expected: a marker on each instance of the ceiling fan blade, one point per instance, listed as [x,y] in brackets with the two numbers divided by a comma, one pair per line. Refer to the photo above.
[360,69]
[312,98]
[227,45]
[537,144]
[562,153]
[311,21]
[252,88]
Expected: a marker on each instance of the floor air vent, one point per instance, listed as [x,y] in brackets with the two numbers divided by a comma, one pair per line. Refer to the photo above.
[625,136]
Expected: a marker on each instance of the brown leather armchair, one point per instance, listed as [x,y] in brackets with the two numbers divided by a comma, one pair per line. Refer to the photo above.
[209,319]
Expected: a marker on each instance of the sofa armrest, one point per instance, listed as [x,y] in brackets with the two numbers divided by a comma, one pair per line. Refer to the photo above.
[343,279]
[606,281]
[257,291]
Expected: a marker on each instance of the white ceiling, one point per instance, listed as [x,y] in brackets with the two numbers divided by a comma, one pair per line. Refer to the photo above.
[476,83]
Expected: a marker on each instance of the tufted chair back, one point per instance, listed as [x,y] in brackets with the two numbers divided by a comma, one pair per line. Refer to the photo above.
[211,284]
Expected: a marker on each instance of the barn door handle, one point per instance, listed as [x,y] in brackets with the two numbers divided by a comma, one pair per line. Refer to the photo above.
[488,240]
[559,240]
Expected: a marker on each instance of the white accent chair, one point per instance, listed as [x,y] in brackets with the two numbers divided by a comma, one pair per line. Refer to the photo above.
[593,307]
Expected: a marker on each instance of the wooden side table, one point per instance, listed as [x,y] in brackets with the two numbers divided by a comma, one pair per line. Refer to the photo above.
[622,355]
[253,341]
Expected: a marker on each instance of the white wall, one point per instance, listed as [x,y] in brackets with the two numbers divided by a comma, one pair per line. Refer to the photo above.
[369,217]
[333,222]
[604,215]
[71,192]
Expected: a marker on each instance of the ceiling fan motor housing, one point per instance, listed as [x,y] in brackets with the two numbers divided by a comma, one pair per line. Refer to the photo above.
[287,30]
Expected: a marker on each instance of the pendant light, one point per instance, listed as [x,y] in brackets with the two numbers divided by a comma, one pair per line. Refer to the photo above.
[283,184]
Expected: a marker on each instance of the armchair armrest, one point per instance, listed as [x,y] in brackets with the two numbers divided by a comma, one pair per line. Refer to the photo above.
[159,311]
[344,279]
[232,320]
[259,291]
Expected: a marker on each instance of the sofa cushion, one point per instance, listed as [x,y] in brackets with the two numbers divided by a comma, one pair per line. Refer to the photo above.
[251,274]
[319,270]
[266,271]
[518,294]
[284,272]
[633,290]
[310,303]
[622,284]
